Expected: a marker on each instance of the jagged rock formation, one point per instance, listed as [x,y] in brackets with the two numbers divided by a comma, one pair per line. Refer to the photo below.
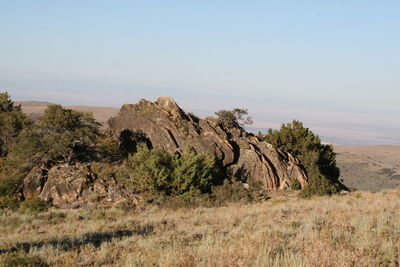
[164,125]
[69,186]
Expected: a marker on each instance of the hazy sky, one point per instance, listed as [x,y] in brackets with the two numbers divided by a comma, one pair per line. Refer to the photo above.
[333,62]
[344,52]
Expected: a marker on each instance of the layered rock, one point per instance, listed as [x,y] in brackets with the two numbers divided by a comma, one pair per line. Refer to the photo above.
[164,125]
[69,186]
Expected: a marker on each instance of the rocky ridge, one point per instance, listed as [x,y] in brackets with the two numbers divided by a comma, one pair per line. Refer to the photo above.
[164,125]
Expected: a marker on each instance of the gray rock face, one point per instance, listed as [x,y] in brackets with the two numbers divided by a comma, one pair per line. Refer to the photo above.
[166,126]
[69,186]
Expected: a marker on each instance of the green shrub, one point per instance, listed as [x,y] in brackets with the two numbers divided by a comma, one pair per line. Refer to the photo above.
[231,191]
[295,185]
[173,174]
[318,185]
[318,159]
[34,205]
[22,259]
[150,170]
[108,149]
[12,121]
[9,203]
[11,177]
[9,186]
[193,171]
[105,170]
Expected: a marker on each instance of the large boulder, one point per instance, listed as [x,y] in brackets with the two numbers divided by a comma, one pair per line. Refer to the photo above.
[69,186]
[164,125]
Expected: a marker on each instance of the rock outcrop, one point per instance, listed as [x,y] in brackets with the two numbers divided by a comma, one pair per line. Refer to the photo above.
[69,186]
[164,125]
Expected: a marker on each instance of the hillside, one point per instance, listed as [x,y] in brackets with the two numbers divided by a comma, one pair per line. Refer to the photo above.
[358,229]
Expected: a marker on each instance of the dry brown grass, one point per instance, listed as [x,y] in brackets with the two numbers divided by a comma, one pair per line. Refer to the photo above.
[358,229]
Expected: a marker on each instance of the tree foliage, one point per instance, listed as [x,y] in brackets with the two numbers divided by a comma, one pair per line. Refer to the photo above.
[318,159]
[12,121]
[60,135]
[235,118]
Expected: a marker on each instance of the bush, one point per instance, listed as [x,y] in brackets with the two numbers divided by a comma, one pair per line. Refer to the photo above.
[193,171]
[231,191]
[12,173]
[34,205]
[233,118]
[318,185]
[9,203]
[295,185]
[108,149]
[173,174]
[150,170]
[318,160]
[22,259]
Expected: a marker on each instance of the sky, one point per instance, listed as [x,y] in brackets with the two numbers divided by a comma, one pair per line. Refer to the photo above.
[340,55]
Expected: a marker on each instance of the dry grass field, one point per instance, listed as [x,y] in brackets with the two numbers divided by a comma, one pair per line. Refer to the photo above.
[357,229]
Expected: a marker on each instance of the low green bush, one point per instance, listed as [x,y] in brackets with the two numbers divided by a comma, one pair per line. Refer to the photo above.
[12,174]
[174,174]
[295,185]
[9,203]
[231,191]
[194,172]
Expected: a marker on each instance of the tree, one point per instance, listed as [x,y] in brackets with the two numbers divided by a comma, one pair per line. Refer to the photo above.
[318,159]
[60,135]
[235,118]
[69,132]
[6,105]
[12,121]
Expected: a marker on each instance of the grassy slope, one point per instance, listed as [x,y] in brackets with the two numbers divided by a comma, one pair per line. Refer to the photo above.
[358,229]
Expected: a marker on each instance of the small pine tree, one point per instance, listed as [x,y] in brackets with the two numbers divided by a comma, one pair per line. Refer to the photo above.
[318,160]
